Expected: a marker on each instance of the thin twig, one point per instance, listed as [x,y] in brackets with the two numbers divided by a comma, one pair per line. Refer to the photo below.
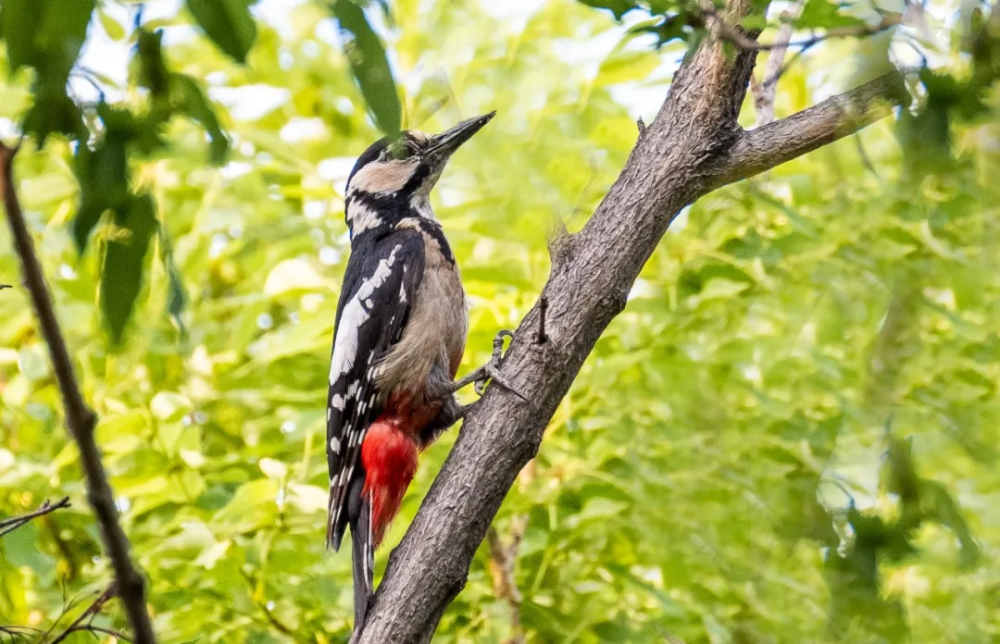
[9,525]
[733,35]
[80,419]
[272,619]
[867,162]
[91,611]
[791,61]
[90,628]
[502,560]
[764,91]
[19,631]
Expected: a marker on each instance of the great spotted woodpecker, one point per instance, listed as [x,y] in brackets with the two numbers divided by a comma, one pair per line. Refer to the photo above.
[400,334]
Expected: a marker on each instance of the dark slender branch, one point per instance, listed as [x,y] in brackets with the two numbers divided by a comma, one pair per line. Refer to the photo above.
[791,61]
[19,631]
[78,624]
[867,162]
[9,525]
[503,558]
[262,605]
[732,34]
[90,628]
[80,419]
[765,90]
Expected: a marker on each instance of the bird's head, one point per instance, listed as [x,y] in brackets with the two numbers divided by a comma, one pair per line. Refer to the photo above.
[398,172]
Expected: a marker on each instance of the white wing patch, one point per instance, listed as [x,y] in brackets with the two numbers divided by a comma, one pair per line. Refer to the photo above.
[345,348]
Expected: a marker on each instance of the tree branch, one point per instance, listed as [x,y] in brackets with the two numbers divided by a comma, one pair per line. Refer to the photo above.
[91,611]
[692,147]
[734,35]
[839,116]
[765,90]
[77,626]
[80,419]
[9,525]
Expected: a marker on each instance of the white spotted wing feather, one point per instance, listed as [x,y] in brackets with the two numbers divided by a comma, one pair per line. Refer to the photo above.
[379,286]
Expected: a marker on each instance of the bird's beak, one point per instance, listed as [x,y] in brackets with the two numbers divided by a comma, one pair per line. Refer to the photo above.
[444,145]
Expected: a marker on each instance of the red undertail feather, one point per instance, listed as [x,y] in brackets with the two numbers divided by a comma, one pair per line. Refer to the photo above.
[389,456]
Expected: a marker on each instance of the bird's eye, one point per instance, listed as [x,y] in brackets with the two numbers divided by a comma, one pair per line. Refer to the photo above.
[400,152]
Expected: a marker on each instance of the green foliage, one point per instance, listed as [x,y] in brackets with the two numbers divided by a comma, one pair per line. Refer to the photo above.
[370,65]
[228,23]
[824,14]
[721,470]
[46,35]
[124,262]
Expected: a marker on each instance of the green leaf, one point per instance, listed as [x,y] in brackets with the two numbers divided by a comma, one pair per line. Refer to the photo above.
[177,296]
[943,508]
[625,66]
[112,27]
[228,23]
[618,7]
[152,70]
[175,94]
[16,19]
[191,101]
[103,177]
[124,263]
[47,35]
[667,28]
[53,113]
[370,66]
[169,406]
[824,14]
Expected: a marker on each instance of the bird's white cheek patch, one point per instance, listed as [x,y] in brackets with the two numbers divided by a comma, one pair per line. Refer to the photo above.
[383,177]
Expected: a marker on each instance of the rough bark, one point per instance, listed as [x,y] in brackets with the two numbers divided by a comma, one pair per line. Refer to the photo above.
[692,147]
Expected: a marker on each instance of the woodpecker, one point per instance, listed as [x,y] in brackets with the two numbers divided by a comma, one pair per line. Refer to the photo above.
[399,338]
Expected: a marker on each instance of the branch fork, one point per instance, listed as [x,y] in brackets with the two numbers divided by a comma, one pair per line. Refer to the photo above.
[693,146]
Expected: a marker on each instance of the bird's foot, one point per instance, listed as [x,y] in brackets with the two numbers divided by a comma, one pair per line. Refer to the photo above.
[489,371]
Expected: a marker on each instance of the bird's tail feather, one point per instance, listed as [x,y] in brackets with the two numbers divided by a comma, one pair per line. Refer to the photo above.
[363,552]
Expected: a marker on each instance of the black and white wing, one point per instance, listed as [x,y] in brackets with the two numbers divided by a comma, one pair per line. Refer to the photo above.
[379,288]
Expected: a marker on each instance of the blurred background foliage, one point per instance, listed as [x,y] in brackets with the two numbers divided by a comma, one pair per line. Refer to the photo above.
[789,434]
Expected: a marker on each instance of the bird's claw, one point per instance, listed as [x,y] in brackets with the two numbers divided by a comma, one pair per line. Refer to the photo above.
[491,370]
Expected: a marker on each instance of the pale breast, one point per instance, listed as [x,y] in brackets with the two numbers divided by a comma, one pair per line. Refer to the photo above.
[435,334]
